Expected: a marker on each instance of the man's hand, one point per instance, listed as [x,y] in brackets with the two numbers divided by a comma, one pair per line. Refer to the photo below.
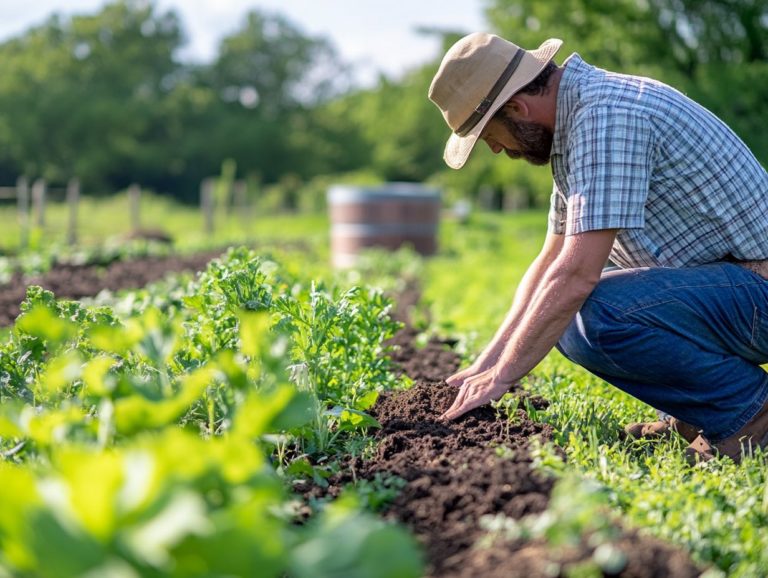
[458,378]
[477,390]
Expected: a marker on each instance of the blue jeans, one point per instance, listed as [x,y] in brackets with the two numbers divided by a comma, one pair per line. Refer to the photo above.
[688,342]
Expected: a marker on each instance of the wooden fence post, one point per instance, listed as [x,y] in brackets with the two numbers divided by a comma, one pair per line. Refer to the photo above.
[514,200]
[207,204]
[22,204]
[242,206]
[487,198]
[39,188]
[73,198]
[134,199]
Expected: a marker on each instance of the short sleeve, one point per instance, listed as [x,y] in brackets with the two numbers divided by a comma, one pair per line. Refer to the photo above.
[610,154]
[558,211]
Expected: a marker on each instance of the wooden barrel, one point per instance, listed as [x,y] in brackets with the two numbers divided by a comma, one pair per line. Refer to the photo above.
[386,216]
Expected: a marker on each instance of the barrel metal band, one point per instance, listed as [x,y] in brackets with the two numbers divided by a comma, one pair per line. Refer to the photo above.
[486,103]
[427,229]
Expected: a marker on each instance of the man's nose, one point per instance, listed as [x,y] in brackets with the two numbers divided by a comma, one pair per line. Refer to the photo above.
[495,147]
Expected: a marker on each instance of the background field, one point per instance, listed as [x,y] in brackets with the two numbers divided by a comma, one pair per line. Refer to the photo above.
[250,359]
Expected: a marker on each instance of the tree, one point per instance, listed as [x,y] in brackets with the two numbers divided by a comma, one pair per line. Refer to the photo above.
[706,32]
[79,96]
[267,78]
[677,34]
[271,65]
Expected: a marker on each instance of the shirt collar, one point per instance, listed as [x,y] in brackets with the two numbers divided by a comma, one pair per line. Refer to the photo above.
[567,97]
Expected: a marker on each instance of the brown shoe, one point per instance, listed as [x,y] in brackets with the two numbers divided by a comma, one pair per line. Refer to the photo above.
[662,428]
[700,450]
[753,435]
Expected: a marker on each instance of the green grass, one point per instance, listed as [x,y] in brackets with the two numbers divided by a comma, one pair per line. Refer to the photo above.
[104,219]
[718,511]
[470,284]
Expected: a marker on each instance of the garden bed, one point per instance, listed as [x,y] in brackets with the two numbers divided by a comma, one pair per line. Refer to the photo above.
[458,472]
[455,476]
[74,281]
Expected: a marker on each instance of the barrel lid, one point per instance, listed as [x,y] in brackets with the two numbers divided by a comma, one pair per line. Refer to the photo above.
[397,191]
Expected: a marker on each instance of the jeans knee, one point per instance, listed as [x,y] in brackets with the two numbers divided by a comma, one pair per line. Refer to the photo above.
[574,343]
[581,341]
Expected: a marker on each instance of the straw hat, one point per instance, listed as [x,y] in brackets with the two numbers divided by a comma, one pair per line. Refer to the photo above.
[477,76]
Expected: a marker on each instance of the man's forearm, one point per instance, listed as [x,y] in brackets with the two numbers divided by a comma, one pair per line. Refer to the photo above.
[554,296]
[553,303]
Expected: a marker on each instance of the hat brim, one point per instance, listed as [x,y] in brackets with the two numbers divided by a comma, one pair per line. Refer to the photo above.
[458,147]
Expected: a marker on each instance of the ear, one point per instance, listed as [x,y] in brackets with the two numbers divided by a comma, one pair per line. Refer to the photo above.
[517,107]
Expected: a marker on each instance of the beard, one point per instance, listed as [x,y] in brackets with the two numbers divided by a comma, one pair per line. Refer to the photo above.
[535,140]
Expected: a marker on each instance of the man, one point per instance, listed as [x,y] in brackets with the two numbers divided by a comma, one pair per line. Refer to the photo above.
[653,181]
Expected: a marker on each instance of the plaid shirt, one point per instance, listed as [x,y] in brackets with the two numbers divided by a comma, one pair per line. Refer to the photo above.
[634,154]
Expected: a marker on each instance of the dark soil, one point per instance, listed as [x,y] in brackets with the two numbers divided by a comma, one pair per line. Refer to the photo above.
[457,472]
[76,281]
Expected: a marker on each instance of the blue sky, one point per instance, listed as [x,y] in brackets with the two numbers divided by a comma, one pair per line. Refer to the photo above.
[373,35]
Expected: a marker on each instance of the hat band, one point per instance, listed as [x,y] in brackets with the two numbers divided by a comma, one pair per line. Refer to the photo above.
[486,103]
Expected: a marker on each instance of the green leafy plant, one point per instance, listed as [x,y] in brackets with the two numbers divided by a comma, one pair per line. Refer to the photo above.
[157,438]
[345,541]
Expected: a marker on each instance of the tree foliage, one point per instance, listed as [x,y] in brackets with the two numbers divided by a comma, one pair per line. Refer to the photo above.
[104,97]
[676,34]
[271,65]
[81,96]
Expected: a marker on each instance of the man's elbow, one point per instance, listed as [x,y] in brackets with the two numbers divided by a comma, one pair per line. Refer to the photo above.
[582,260]
[580,280]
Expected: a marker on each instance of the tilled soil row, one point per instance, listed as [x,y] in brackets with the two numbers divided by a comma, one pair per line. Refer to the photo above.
[479,465]
[76,281]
